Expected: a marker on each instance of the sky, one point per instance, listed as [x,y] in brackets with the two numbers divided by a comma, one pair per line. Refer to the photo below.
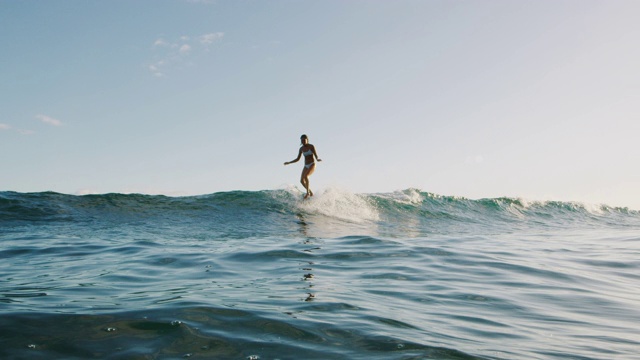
[533,99]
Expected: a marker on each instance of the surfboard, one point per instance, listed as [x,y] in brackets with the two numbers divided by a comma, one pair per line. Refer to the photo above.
[302,192]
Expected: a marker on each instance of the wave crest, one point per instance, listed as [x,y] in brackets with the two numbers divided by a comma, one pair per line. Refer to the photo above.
[388,208]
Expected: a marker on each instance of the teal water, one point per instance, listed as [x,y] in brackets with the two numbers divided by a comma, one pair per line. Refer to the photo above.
[265,275]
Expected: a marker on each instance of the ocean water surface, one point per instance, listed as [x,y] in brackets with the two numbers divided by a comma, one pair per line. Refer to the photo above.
[266,275]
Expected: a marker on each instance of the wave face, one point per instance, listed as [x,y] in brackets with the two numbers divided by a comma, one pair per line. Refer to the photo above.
[393,214]
[268,275]
[409,204]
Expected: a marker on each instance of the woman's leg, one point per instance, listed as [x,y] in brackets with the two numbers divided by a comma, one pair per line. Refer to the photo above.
[304,179]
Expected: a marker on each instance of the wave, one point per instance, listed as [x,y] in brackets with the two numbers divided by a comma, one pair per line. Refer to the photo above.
[429,204]
[406,206]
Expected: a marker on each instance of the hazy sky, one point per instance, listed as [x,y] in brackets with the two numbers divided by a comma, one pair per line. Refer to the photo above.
[535,99]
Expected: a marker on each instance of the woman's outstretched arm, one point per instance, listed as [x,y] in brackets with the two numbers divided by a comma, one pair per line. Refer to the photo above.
[313,148]
[296,159]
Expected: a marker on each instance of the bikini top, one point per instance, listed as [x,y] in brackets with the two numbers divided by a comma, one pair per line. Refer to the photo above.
[307,153]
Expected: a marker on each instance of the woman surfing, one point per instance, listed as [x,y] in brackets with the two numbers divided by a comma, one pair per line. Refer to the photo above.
[310,157]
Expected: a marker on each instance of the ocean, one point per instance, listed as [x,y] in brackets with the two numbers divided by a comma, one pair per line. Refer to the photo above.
[265,275]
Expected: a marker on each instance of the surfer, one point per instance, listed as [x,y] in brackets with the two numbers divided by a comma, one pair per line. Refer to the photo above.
[309,152]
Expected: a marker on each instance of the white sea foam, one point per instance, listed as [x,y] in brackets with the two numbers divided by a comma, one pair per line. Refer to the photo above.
[338,203]
[409,196]
[592,208]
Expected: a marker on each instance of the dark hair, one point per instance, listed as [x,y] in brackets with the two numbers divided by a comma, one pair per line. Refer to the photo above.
[304,136]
